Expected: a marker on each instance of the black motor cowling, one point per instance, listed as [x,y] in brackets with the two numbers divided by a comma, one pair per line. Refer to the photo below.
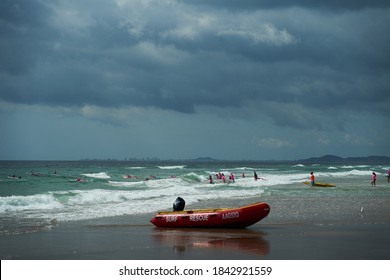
[179,204]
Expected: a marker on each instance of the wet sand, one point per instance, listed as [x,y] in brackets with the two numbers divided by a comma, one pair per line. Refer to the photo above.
[344,233]
[143,242]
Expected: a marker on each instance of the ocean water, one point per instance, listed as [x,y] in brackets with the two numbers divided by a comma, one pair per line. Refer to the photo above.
[45,194]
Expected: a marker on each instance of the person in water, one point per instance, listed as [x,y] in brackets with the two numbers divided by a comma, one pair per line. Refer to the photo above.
[312,179]
[231,177]
[256,177]
[211,179]
[373,179]
[388,176]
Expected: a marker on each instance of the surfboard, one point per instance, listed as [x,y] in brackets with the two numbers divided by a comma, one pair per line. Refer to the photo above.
[318,184]
[14,177]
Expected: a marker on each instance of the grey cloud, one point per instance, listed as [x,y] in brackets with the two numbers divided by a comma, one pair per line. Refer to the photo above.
[265,4]
[22,26]
[185,56]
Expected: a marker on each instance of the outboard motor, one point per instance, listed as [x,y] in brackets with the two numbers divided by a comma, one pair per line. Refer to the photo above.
[179,204]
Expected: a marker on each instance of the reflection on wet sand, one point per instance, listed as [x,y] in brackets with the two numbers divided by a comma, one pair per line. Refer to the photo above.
[244,240]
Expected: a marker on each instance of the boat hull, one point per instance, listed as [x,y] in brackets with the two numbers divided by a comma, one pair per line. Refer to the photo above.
[239,217]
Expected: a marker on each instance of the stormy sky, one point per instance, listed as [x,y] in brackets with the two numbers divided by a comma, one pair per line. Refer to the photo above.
[251,80]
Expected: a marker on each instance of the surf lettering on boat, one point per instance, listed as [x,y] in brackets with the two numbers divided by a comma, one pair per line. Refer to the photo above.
[196,218]
[170,219]
[230,215]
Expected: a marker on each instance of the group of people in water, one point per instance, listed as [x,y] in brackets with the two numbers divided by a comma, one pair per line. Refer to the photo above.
[221,176]
[373,178]
[13,176]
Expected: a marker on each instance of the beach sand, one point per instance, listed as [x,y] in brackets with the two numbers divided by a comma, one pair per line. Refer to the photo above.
[340,231]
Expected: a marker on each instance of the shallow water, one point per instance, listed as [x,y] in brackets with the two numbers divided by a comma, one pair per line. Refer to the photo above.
[53,196]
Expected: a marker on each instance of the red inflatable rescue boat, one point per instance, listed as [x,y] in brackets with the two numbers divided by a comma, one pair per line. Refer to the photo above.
[240,217]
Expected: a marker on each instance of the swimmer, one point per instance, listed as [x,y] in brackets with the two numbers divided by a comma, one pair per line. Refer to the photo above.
[257,177]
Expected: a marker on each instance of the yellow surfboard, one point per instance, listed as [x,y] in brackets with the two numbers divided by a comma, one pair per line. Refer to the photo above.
[318,184]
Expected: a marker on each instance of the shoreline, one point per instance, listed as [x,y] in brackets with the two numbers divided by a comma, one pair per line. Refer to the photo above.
[143,242]
[291,231]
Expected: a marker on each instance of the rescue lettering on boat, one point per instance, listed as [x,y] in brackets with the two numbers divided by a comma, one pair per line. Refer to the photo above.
[171,219]
[197,218]
[230,215]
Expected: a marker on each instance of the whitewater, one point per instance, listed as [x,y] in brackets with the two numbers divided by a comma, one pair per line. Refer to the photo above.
[82,190]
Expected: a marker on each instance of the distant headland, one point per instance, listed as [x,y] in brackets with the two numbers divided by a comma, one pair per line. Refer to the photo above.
[326,159]
[340,160]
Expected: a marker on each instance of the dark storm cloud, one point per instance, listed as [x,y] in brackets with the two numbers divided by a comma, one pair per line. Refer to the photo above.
[21,27]
[290,63]
[271,4]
